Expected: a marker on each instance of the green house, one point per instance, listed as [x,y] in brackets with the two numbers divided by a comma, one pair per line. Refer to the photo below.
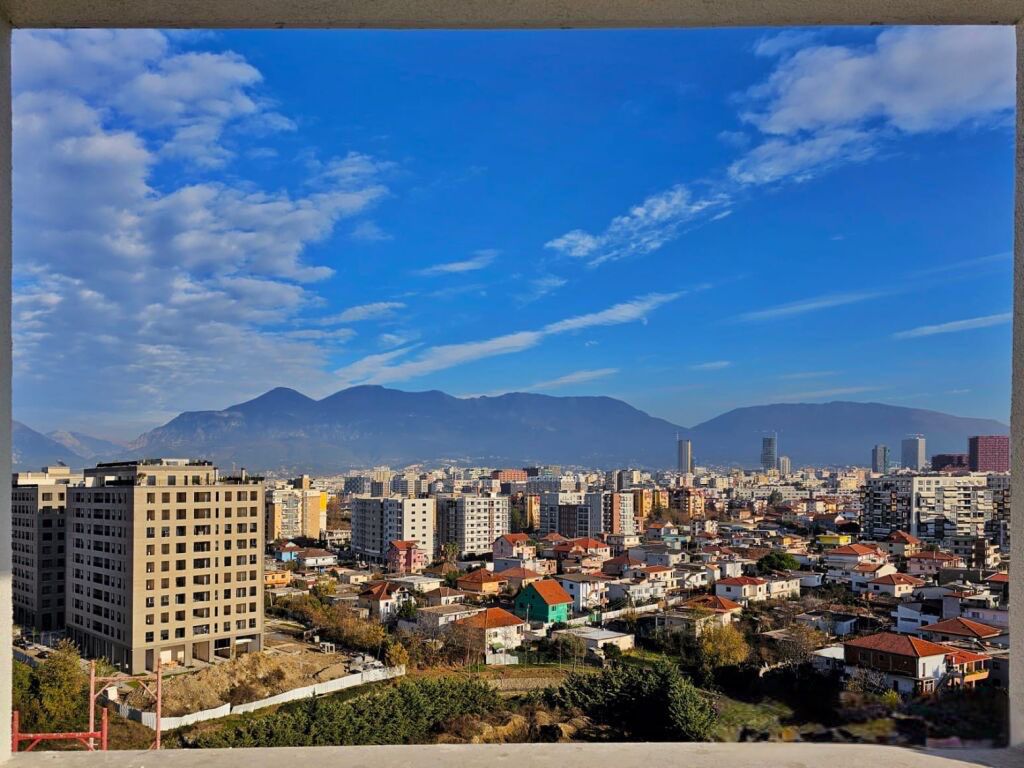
[543,600]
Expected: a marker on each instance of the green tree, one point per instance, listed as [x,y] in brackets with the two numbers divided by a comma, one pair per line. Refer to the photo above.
[777,561]
[450,551]
[53,696]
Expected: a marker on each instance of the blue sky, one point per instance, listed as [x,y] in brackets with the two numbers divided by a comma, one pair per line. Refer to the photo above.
[688,220]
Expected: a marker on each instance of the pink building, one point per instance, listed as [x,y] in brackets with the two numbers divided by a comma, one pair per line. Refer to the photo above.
[406,557]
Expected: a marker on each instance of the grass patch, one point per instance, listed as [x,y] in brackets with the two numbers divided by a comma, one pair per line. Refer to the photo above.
[733,716]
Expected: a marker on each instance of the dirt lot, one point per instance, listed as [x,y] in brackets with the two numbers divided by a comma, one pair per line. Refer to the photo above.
[246,678]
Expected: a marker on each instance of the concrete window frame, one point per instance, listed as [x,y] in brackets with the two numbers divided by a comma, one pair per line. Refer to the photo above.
[521,14]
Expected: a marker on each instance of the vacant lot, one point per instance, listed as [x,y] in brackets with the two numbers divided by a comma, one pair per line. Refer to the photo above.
[246,678]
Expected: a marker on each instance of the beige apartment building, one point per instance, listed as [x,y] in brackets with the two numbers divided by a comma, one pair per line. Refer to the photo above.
[38,502]
[294,508]
[164,562]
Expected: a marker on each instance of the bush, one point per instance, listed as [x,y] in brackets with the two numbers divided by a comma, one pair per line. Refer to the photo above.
[408,713]
[644,703]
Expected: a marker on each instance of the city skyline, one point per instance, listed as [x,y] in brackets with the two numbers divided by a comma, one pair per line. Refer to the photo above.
[243,219]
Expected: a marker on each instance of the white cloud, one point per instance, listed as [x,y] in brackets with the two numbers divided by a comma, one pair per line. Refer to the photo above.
[783,42]
[644,229]
[821,394]
[373,311]
[480,260]
[385,369]
[369,232]
[539,287]
[189,290]
[714,365]
[576,377]
[955,326]
[830,104]
[797,375]
[807,305]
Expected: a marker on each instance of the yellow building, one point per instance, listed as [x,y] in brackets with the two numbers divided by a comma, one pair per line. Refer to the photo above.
[834,539]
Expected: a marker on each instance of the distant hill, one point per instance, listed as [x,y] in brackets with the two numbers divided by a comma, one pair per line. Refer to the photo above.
[285,431]
[87,446]
[837,433]
[33,450]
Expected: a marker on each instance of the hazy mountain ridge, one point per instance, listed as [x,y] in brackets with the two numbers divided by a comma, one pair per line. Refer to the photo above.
[284,430]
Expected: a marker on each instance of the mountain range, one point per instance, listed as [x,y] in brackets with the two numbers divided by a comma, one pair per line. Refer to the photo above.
[284,431]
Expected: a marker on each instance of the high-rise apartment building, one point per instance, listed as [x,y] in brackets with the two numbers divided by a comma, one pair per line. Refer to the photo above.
[912,453]
[611,512]
[164,563]
[928,506]
[769,453]
[379,520]
[785,466]
[38,501]
[473,522]
[684,456]
[989,453]
[880,459]
[552,519]
[295,509]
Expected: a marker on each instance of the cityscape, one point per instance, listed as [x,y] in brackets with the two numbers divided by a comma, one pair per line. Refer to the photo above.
[883,590]
[383,387]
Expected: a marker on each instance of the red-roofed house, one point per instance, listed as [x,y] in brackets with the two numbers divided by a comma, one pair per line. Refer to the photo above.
[406,557]
[901,544]
[925,564]
[481,582]
[518,578]
[514,545]
[894,585]
[494,629]
[958,628]
[909,665]
[383,599]
[742,589]
[544,600]
[846,557]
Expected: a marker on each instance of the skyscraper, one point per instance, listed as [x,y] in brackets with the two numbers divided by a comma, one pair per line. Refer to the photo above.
[912,453]
[769,452]
[880,459]
[685,455]
[989,453]
[785,466]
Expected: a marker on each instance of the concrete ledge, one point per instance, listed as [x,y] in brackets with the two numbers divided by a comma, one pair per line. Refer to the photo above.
[540,756]
[494,13]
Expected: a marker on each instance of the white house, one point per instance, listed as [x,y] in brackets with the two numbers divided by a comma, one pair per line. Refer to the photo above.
[744,589]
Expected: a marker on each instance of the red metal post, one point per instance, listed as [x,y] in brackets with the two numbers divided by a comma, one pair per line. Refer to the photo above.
[14,731]
[92,701]
[104,731]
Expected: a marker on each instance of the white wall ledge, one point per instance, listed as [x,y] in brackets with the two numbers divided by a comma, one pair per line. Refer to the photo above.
[638,755]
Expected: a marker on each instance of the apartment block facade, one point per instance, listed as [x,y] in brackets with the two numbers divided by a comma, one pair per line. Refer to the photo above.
[472,522]
[379,520]
[38,501]
[165,563]
[295,509]
[929,506]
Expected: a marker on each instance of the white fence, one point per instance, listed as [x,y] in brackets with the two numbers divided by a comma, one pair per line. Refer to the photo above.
[501,659]
[148,719]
